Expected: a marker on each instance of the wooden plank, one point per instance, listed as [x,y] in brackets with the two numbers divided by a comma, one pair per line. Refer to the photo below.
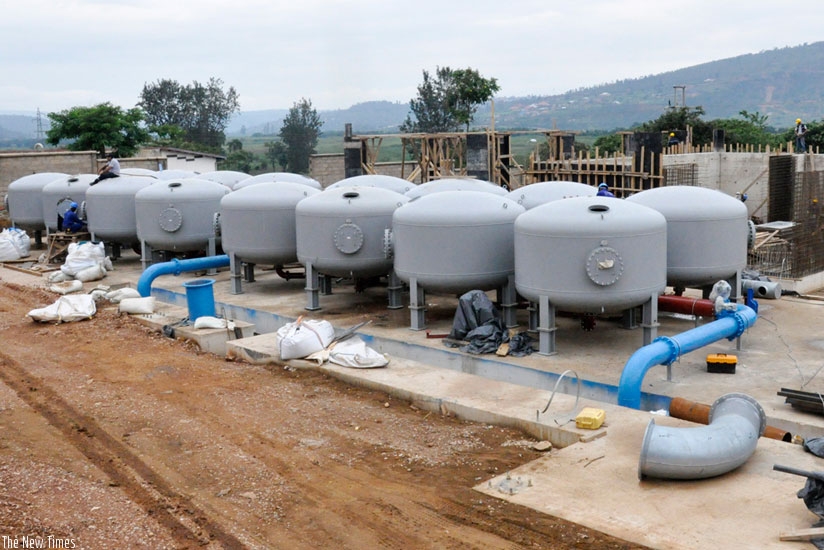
[803,534]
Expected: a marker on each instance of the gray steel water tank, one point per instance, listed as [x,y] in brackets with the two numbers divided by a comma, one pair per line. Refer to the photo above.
[455,241]
[536,194]
[178,215]
[224,177]
[398,185]
[343,232]
[278,176]
[175,174]
[24,200]
[591,254]
[707,233]
[455,184]
[257,223]
[110,208]
[57,195]
[138,172]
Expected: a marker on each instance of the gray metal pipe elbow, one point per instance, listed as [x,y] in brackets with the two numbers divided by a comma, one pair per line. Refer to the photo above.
[736,423]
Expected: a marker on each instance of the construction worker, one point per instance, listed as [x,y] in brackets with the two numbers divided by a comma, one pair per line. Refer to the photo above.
[603,190]
[673,140]
[71,221]
[800,132]
[109,170]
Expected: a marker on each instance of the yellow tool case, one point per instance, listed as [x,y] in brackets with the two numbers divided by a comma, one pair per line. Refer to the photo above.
[721,363]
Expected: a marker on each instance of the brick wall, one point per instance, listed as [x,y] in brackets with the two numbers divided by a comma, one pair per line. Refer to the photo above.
[329,168]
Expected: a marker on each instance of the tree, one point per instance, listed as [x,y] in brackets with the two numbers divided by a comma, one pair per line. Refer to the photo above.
[201,111]
[276,154]
[299,133]
[448,101]
[678,118]
[104,126]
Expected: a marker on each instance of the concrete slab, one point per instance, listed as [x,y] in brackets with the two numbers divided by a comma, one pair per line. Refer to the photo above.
[593,479]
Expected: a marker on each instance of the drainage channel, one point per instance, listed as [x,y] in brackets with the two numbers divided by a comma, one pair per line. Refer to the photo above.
[267,322]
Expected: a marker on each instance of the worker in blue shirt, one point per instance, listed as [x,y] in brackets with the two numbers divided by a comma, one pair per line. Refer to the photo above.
[603,190]
[71,221]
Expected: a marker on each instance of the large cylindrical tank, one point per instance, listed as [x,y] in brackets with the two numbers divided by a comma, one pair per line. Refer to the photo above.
[591,254]
[60,193]
[110,208]
[706,233]
[536,194]
[455,184]
[344,232]
[398,185]
[178,215]
[278,176]
[138,172]
[257,223]
[175,174]
[24,200]
[455,241]
[225,177]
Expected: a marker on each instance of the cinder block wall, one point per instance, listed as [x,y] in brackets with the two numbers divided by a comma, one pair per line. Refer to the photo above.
[329,168]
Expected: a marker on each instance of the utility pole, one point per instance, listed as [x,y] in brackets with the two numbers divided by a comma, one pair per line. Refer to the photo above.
[683,89]
[40,134]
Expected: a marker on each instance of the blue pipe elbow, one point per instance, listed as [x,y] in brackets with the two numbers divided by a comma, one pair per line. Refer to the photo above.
[665,350]
[176,267]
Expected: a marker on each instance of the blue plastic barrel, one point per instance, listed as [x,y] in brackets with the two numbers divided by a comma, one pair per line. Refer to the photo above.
[200,298]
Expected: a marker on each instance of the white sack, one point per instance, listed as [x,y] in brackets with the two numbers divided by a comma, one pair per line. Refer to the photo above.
[66,309]
[137,306]
[353,352]
[300,339]
[56,277]
[207,321]
[91,273]
[66,287]
[121,294]
[83,255]
[8,251]
[14,244]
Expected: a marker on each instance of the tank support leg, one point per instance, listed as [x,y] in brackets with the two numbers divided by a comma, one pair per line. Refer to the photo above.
[249,272]
[312,288]
[325,282]
[417,305]
[533,316]
[509,302]
[546,326]
[234,270]
[145,255]
[212,251]
[394,289]
[649,323]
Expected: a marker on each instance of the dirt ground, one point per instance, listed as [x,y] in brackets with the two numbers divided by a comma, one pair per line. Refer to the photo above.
[114,436]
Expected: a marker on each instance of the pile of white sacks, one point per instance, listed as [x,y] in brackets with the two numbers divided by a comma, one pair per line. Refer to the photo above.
[14,244]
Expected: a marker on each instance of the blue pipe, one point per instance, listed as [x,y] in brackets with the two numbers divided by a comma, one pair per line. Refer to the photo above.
[665,350]
[176,267]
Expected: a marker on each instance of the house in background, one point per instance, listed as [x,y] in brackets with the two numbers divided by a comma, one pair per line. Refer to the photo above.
[181,159]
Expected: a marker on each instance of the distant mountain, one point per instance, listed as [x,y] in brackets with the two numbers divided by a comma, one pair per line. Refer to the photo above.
[783,83]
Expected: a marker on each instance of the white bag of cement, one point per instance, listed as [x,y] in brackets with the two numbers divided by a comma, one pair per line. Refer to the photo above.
[137,306]
[66,309]
[83,255]
[121,294]
[303,338]
[207,321]
[91,273]
[66,287]
[14,244]
[353,352]
[57,277]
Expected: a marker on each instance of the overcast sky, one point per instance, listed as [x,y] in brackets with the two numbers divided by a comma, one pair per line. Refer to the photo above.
[58,54]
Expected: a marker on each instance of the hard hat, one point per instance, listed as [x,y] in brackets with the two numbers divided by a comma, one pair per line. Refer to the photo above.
[73,205]
[798,121]
[672,134]
[602,185]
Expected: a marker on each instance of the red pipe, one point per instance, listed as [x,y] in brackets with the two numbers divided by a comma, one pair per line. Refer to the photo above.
[686,305]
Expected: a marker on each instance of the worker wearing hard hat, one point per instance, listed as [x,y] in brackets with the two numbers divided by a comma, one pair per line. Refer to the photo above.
[800,132]
[71,221]
[603,190]
[673,140]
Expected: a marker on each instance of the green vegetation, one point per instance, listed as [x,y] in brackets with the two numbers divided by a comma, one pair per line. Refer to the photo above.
[98,128]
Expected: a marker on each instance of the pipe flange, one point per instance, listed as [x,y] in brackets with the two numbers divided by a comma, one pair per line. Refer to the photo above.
[348,238]
[741,397]
[170,219]
[674,348]
[605,266]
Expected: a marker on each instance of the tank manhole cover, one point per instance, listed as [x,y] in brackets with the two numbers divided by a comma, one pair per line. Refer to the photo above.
[171,219]
[348,238]
[605,266]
